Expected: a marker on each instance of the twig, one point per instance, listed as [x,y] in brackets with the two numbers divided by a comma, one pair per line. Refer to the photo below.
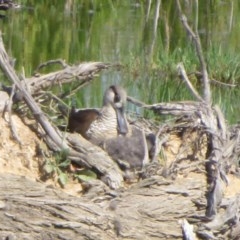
[136,102]
[81,85]
[172,108]
[214,81]
[10,121]
[158,143]
[50,62]
[221,84]
[183,74]
[187,230]
[196,16]
[54,97]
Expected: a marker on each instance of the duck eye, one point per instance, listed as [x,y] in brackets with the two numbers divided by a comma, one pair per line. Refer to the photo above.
[117,98]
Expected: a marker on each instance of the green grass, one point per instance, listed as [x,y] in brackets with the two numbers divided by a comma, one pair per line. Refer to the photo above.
[160,82]
[117,32]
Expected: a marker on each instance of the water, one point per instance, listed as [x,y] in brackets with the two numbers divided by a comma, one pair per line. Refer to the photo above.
[122,31]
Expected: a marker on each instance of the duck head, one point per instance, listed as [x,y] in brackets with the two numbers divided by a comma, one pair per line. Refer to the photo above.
[116,97]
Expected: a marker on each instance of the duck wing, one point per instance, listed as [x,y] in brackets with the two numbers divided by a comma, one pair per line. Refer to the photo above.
[80,120]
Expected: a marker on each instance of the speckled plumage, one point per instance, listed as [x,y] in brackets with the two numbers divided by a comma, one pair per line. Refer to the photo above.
[108,122]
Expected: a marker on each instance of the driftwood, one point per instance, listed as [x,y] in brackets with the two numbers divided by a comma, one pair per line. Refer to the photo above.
[212,119]
[188,201]
[83,73]
[152,209]
[147,210]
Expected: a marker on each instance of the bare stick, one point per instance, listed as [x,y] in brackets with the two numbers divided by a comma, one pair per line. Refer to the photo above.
[187,230]
[82,73]
[172,108]
[10,121]
[50,62]
[136,102]
[183,73]
[196,39]
[213,81]
[41,118]
[222,84]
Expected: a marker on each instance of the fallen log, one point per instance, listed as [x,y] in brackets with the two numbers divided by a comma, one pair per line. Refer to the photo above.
[142,211]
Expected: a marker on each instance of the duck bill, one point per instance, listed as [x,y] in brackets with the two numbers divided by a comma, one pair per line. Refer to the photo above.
[122,122]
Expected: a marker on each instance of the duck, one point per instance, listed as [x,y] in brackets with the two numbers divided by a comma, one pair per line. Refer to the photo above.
[129,146]
[130,152]
[97,125]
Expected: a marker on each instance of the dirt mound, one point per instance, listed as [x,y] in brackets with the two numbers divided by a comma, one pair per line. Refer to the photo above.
[18,158]
[21,159]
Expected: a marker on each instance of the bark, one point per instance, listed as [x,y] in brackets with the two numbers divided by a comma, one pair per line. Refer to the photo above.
[81,73]
[150,209]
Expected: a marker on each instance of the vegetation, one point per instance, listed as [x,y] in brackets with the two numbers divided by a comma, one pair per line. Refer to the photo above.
[125,32]
[59,166]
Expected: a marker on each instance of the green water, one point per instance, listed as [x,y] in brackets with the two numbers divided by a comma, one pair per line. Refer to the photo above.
[122,31]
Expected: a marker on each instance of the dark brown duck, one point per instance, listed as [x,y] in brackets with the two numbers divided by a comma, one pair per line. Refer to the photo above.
[108,122]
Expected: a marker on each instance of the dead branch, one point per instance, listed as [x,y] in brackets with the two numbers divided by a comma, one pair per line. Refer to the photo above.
[96,158]
[183,74]
[172,108]
[136,102]
[197,43]
[187,230]
[83,72]
[11,123]
[50,62]
[40,117]
[213,81]
[211,119]
[177,108]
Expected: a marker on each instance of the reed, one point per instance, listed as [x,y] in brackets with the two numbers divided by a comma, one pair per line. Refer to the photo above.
[148,45]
